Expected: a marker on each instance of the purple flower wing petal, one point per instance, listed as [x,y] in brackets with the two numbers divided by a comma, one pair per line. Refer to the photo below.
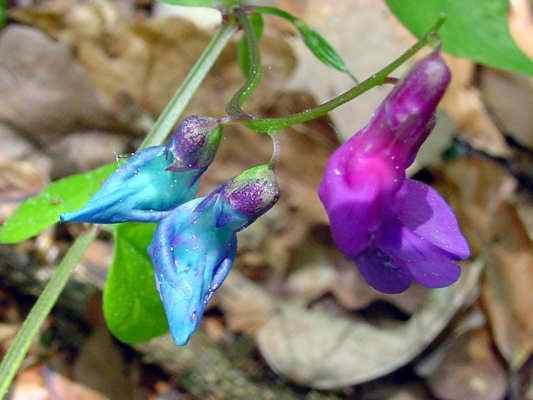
[428,265]
[380,273]
[421,209]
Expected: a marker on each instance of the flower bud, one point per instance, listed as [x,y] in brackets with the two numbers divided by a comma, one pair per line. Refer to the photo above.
[155,180]
[253,192]
[194,246]
[194,143]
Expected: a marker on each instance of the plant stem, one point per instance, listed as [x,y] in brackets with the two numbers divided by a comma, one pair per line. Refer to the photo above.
[234,107]
[273,125]
[183,95]
[42,307]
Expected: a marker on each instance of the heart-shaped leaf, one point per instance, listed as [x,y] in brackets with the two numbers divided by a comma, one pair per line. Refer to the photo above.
[132,307]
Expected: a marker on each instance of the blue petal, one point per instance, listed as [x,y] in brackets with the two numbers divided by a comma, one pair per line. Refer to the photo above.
[191,259]
[140,190]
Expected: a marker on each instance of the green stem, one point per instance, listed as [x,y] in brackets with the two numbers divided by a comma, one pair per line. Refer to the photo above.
[18,349]
[234,107]
[173,110]
[273,125]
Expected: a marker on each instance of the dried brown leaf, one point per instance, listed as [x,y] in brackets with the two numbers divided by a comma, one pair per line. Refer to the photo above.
[464,105]
[469,370]
[86,150]
[507,287]
[476,188]
[23,171]
[57,99]
[509,97]
[324,351]
[100,365]
[42,383]
[247,306]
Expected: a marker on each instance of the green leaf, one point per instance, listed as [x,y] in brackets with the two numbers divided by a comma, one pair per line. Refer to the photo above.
[473,29]
[65,195]
[132,307]
[243,49]
[319,46]
[314,41]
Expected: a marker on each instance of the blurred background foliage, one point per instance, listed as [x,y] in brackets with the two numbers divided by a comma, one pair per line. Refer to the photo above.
[82,82]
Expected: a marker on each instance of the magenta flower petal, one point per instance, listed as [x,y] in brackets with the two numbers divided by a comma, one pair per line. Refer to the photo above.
[428,265]
[351,212]
[395,229]
[381,272]
[421,209]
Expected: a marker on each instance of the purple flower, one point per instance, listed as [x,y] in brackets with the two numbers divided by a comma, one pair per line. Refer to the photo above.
[395,229]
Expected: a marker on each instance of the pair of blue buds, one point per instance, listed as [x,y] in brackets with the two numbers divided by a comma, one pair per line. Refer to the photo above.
[195,242]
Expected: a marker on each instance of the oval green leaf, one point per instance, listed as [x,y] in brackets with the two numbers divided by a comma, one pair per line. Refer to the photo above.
[473,29]
[319,46]
[65,195]
[132,308]
[314,41]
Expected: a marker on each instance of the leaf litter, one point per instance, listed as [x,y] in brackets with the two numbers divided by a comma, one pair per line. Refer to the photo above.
[109,70]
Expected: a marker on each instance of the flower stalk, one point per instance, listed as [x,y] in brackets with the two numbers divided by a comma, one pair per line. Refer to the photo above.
[234,107]
[274,125]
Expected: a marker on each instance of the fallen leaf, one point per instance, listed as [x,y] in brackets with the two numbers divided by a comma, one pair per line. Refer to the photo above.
[506,290]
[57,100]
[353,292]
[469,370]
[475,188]
[310,282]
[436,144]
[322,269]
[509,97]
[524,207]
[145,60]
[320,350]
[24,171]
[43,383]
[247,306]
[464,105]
[86,150]
[100,366]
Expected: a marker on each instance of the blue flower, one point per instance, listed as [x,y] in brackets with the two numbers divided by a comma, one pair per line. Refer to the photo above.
[156,179]
[194,246]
